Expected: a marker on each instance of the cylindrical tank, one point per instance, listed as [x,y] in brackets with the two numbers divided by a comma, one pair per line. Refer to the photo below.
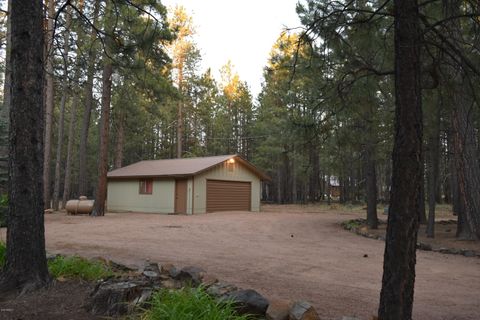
[83,205]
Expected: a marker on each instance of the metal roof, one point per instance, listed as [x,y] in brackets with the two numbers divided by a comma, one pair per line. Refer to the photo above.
[178,167]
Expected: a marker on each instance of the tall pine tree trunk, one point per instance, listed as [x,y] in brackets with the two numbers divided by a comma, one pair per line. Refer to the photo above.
[119,141]
[5,110]
[467,168]
[82,152]
[26,263]
[49,103]
[396,297]
[433,171]
[63,102]
[371,184]
[101,193]
[73,115]
[68,162]
[180,111]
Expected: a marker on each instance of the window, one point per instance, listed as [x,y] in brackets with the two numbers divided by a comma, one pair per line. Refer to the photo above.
[146,186]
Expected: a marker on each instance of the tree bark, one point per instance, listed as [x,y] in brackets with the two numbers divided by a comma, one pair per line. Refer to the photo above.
[396,297]
[101,194]
[314,175]
[467,164]
[120,141]
[422,214]
[49,103]
[63,102]
[467,167]
[82,152]
[26,263]
[5,111]
[73,115]
[180,109]
[371,185]
[68,161]
[433,171]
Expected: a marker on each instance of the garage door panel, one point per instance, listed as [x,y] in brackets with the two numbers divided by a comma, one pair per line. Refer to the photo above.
[228,195]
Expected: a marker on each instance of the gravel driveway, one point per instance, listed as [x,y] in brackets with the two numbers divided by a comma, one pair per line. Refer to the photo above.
[280,254]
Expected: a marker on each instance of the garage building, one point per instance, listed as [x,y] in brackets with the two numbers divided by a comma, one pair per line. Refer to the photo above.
[188,185]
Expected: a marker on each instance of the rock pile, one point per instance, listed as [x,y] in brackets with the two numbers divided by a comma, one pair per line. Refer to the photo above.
[120,296]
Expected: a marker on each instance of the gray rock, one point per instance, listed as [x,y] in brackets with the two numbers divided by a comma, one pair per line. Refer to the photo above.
[117,297]
[303,310]
[469,253]
[115,266]
[171,284]
[153,267]
[190,275]
[151,271]
[169,269]
[51,256]
[350,318]
[220,289]
[151,274]
[208,280]
[248,302]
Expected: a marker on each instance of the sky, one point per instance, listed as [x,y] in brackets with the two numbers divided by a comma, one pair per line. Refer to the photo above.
[242,31]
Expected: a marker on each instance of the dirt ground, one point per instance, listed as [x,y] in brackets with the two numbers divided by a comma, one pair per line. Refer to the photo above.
[63,300]
[288,252]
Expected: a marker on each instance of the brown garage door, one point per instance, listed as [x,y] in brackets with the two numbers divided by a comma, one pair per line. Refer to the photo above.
[228,195]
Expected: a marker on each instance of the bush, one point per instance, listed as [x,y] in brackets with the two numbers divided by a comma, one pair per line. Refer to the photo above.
[189,304]
[79,268]
[352,224]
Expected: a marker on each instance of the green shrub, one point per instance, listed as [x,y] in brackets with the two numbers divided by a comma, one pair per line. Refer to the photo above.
[3,253]
[352,224]
[79,268]
[189,304]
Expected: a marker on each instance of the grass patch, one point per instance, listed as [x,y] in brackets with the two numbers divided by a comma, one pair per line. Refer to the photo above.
[189,304]
[78,268]
[70,267]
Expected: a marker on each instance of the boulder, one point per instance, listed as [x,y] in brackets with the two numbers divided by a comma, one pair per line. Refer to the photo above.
[208,280]
[469,253]
[278,310]
[220,289]
[190,275]
[303,310]
[117,297]
[115,266]
[248,302]
[151,271]
[171,284]
[350,318]
[169,270]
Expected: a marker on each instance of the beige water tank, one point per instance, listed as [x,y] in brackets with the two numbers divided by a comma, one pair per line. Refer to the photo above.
[83,205]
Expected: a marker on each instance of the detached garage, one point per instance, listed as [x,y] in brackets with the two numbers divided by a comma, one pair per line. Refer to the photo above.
[189,185]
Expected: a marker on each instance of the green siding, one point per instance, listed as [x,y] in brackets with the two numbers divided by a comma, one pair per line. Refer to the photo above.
[123,195]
